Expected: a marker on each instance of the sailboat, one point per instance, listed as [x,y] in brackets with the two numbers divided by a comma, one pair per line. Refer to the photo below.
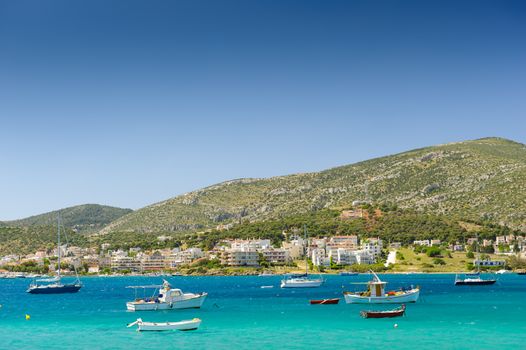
[474,279]
[55,285]
[302,280]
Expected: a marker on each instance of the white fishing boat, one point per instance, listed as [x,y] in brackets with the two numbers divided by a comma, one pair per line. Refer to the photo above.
[187,325]
[376,294]
[167,298]
[303,280]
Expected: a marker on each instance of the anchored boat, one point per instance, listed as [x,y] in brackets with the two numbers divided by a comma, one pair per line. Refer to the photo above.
[384,314]
[55,285]
[376,294]
[474,279]
[188,325]
[167,298]
[303,280]
[325,301]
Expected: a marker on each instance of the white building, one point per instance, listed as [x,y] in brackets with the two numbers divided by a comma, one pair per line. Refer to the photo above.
[319,257]
[251,244]
[276,255]
[240,257]
[178,257]
[372,246]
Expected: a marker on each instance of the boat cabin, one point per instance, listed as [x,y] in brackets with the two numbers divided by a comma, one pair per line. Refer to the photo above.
[377,288]
[170,295]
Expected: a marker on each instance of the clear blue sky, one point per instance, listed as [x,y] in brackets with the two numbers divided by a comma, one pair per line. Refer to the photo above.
[128,102]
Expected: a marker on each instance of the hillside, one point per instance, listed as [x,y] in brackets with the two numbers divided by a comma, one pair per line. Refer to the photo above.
[28,239]
[83,218]
[482,179]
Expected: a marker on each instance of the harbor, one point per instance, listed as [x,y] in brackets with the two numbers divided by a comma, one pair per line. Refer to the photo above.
[238,313]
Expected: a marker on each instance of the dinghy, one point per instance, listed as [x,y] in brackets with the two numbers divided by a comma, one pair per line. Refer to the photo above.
[188,325]
[384,314]
[325,301]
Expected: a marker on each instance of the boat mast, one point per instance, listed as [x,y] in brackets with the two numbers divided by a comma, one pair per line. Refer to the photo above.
[306,249]
[477,261]
[58,247]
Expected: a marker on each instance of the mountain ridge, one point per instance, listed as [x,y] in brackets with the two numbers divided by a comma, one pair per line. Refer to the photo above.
[83,218]
[480,179]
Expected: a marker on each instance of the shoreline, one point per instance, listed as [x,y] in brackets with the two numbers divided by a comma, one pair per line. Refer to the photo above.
[275,274]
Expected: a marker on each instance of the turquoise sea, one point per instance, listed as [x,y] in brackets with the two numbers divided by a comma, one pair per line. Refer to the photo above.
[238,314]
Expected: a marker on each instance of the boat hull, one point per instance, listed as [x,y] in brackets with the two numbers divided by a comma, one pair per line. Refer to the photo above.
[301,284]
[383,314]
[409,297]
[169,326]
[193,303]
[66,288]
[474,283]
[325,301]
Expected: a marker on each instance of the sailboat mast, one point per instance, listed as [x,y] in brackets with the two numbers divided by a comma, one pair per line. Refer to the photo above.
[58,247]
[306,249]
[477,261]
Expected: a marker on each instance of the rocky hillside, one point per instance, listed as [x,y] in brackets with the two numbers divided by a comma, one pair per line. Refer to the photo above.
[480,179]
[82,218]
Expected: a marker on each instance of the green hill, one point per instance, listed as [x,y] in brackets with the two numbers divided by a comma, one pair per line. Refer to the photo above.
[28,239]
[82,218]
[482,179]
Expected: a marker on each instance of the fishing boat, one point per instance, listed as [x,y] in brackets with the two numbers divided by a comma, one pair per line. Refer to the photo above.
[474,279]
[376,294]
[165,298]
[325,301]
[188,325]
[400,311]
[55,285]
[302,280]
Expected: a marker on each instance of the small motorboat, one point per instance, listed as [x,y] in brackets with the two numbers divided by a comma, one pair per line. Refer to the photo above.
[400,311]
[188,325]
[325,301]
[165,298]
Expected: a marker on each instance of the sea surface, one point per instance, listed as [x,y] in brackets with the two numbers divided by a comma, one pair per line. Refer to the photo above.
[239,314]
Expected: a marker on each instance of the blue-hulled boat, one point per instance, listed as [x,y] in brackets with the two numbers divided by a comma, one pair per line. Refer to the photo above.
[54,285]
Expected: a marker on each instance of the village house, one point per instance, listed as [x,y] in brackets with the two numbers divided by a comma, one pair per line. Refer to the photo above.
[471,241]
[178,257]
[240,257]
[120,261]
[372,246]
[152,262]
[276,255]
[319,257]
